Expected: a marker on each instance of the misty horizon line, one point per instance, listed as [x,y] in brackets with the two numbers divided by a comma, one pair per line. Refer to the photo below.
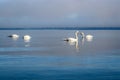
[60,28]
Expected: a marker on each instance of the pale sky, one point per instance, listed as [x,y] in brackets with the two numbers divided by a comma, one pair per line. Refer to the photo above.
[56,13]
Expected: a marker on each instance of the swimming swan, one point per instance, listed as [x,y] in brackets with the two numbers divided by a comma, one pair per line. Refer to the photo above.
[26,37]
[73,39]
[14,36]
[87,37]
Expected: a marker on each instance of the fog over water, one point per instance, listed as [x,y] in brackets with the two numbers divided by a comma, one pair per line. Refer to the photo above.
[57,13]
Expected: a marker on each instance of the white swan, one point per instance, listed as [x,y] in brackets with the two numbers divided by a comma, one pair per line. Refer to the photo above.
[14,36]
[73,39]
[26,38]
[87,37]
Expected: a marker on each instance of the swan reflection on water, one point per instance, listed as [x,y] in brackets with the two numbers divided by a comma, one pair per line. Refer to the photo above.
[27,43]
[74,44]
[26,39]
[77,44]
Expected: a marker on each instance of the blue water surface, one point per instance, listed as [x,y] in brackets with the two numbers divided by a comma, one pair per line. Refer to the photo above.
[47,57]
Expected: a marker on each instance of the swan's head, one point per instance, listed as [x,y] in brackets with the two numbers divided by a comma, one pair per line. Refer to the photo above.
[76,32]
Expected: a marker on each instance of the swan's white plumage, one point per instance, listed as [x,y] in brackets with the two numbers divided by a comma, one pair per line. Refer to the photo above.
[70,39]
[26,37]
[89,37]
[14,36]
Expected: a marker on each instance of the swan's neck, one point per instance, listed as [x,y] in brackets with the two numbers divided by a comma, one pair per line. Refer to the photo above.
[82,34]
[76,36]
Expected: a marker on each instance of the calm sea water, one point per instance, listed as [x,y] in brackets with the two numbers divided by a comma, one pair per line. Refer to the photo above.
[47,57]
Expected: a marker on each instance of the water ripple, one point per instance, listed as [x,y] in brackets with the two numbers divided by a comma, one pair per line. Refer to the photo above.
[22,49]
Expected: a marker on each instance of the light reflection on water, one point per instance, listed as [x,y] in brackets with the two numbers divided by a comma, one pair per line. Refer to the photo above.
[47,57]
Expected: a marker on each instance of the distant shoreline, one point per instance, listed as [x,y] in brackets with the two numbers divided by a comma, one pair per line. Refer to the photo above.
[64,28]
